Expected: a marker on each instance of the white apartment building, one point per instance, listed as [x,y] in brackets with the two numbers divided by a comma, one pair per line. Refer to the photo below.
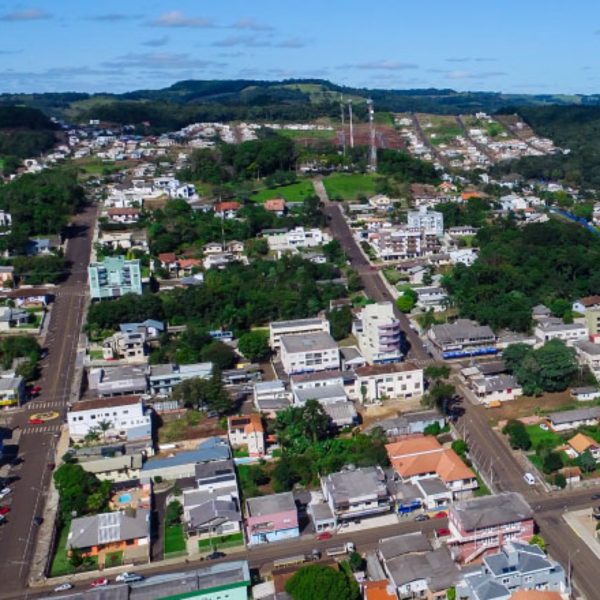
[298,238]
[123,417]
[379,333]
[277,329]
[402,242]
[312,352]
[394,381]
[430,221]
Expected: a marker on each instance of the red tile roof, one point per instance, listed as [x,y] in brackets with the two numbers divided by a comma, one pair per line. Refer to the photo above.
[222,206]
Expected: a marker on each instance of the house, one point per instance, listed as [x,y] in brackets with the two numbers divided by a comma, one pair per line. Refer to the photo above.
[125,216]
[212,248]
[381,589]
[378,332]
[113,277]
[581,443]
[125,467]
[381,202]
[465,256]
[188,265]
[218,261]
[270,397]
[168,261]
[12,390]
[572,419]
[121,531]
[247,431]
[277,329]
[276,205]
[585,394]
[397,380]
[43,246]
[462,338]
[130,346]
[431,297]
[183,464]
[496,388]
[429,221]
[409,424]
[311,352]
[227,210]
[483,525]
[588,302]
[123,417]
[517,567]
[28,297]
[351,358]
[588,353]
[423,457]
[356,493]
[6,275]
[271,518]
[150,327]
[298,237]
[12,317]
[554,329]
[163,378]
[118,381]
[540,311]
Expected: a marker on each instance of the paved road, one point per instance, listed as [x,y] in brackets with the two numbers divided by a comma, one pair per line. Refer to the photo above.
[36,447]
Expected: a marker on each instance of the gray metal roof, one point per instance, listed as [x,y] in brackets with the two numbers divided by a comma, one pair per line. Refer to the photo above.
[106,528]
[346,485]
[277,325]
[399,545]
[268,505]
[211,449]
[309,342]
[322,393]
[461,330]
[490,511]
[578,414]
[437,568]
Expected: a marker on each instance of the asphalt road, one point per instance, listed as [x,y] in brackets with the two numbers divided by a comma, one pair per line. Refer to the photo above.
[36,448]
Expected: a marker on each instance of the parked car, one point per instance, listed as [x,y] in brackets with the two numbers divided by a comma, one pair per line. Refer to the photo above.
[529,478]
[326,535]
[443,532]
[4,510]
[422,517]
[215,555]
[63,587]
[38,521]
[51,466]
[5,492]
[128,577]
[440,515]
[594,496]
[100,582]
[35,390]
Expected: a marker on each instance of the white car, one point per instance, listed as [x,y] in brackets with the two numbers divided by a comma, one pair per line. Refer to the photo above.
[5,492]
[63,587]
[128,577]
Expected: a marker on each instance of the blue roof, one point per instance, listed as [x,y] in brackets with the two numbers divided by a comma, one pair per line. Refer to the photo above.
[129,327]
[211,449]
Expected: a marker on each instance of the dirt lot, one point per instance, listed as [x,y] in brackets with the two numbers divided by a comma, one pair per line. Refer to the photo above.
[390,408]
[526,406]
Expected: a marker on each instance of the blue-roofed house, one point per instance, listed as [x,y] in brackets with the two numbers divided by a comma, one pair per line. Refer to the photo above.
[151,327]
[183,464]
[42,245]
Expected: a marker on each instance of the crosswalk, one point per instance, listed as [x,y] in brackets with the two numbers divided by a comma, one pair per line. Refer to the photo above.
[49,405]
[37,429]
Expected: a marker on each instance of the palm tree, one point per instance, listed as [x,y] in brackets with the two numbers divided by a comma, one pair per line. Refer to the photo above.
[104,427]
[316,420]
[91,436]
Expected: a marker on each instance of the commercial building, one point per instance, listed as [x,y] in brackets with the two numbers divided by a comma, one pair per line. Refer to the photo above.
[271,518]
[118,381]
[393,381]
[554,329]
[12,390]
[277,329]
[114,277]
[462,338]
[163,378]
[310,352]
[379,333]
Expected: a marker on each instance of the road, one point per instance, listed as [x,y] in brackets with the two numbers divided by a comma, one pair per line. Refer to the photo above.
[36,446]
[493,456]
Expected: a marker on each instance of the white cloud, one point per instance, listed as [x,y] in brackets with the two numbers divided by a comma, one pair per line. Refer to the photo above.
[382,65]
[159,60]
[27,14]
[251,25]
[176,18]
[157,42]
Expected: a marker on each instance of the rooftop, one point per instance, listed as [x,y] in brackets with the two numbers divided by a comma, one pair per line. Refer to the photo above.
[403,544]
[370,370]
[99,403]
[268,505]
[310,342]
[276,325]
[490,511]
[578,414]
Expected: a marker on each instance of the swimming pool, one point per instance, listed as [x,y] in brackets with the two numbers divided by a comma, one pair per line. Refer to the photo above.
[124,498]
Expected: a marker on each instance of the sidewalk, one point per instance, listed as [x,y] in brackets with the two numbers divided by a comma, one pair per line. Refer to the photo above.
[581,522]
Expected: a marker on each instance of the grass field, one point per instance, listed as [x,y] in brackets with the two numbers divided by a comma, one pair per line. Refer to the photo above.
[61,565]
[537,435]
[174,540]
[349,187]
[317,134]
[221,541]
[295,192]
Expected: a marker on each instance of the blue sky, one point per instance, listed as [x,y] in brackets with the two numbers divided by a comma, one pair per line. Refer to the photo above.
[533,46]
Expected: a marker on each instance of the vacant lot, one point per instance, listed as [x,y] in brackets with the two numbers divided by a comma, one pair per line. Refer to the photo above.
[525,406]
[349,187]
[295,192]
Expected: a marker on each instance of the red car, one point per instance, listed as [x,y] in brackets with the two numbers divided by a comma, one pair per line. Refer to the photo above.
[36,389]
[36,421]
[322,537]
[443,532]
[440,515]
[101,582]
[4,510]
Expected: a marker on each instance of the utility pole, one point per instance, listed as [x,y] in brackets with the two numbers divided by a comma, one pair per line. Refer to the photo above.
[372,148]
[351,124]
[343,125]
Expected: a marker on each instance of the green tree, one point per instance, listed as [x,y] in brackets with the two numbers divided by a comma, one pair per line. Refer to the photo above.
[551,462]
[315,419]
[220,354]
[538,540]
[437,371]
[586,462]
[75,487]
[319,582]
[407,301]
[560,481]
[173,513]
[460,447]
[356,562]
[340,321]
[104,427]
[517,435]
[439,395]
[254,345]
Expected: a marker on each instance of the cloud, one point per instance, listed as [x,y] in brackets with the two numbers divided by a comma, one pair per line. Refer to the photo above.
[114,17]
[257,41]
[291,43]
[176,18]
[458,59]
[250,24]
[471,75]
[160,61]
[27,14]
[381,65]
[157,42]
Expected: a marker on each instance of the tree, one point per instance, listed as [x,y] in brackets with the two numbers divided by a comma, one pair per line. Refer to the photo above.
[440,395]
[340,321]
[356,562]
[75,487]
[517,435]
[560,481]
[316,421]
[254,345]
[203,394]
[173,513]
[407,301]
[318,582]
[104,426]
[460,447]
[220,354]
[437,371]
[538,540]
[586,462]
[551,462]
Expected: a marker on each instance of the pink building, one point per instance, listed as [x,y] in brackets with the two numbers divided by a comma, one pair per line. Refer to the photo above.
[480,526]
[271,518]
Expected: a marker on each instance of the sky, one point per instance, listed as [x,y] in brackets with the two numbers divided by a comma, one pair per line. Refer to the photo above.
[513,46]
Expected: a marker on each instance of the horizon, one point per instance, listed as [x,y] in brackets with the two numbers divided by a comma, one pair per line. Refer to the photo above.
[77,47]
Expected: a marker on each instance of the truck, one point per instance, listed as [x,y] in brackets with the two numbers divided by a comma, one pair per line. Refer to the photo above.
[291,561]
[347,548]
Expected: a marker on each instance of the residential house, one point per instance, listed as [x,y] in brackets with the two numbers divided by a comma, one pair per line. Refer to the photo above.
[483,525]
[356,493]
[394,381]
[311,352]
[125,216]
[227,210]
[276,205]
[462,338]
[212,248]
[168,261]
[114,277]
[118,381]
[496,388]
[271,518]
[121,531]
[130,346]
[43,246]
[431,298]
[163,378]
[378,332]
[554,329]
[247,431]
[588,302]
[572,419]
[218,261]
[298,237]
[380,589]
[13,317]
[277,329]
[588,353]
[465,256]
[517,567]
[187,266]
[423,457]
[581,443]
[124,467]
[270,397]
[585,393]
[150,327]
[409,424]
[123,417]
[27,297]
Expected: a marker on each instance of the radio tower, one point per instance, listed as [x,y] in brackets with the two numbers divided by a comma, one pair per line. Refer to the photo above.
[343,125]
[351,124]
[372,148]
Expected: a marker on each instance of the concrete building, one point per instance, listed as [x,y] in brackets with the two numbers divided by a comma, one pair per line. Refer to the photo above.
[299,237]
[393,381]
[401,242]
[409,424]
[429,221]
[554,329]
[130,347]
[163,378]
[12,390]
[462,338]
[572,419]
[247,431]
[271,518]
[118,381]
[271,396]
[379,333]
[114,277]
[310,352]
[277,329]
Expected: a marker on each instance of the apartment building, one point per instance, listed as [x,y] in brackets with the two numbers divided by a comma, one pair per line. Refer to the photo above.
[430,221]
[379,333]
[114,277]
[397,380]
[402,242]
[311,352]
[277,329]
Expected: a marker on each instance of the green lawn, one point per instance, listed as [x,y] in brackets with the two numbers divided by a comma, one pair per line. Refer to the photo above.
[221,541]
[295,192]
[318,134]
[174,540]
[349,186]
[393,275]
[537,435]
[60,562]
[96,354]
[483,489]
[114,559]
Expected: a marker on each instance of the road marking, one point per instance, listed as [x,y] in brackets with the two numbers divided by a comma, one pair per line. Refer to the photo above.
[40,429]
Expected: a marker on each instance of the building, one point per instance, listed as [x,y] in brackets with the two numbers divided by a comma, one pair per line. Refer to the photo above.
[581,443]
[270,397]
[356,493]
[582,305]
[592,320]
[13,317]
[123,417]
[163,378]
[554,329]
[462,338]
[125,467]
[408,424]
[431,298]
[271,518]
[585,393]
[298,237]
[496,388]
[401,242]
[12,390]
[423,457]
[121,531]
[311,352]
[277,329]
[247,432]
[517,567]
[130,347]
[118,381]
[114,277]
[6,274]
[430,221]
[392,381]
[379,333]
[588,353]
[572,419]
[481,526]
